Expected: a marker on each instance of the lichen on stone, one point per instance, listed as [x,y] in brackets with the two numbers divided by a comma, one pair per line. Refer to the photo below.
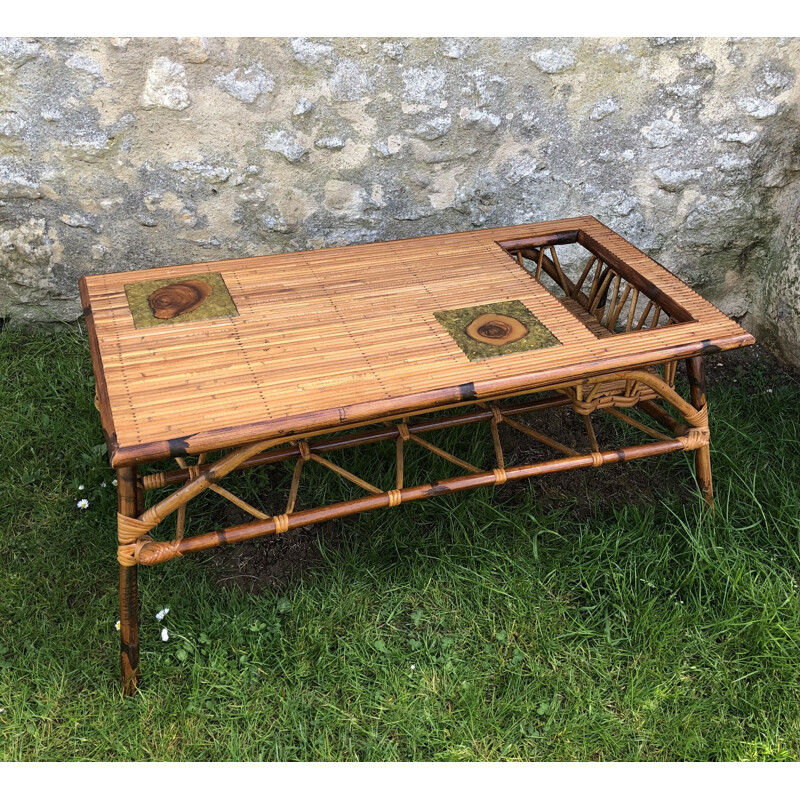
[554,61]
[349,82]
[287,143]
[165,86]
[246,83]
[310,53]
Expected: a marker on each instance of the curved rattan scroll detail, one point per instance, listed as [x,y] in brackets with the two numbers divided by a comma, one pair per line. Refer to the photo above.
[637,382]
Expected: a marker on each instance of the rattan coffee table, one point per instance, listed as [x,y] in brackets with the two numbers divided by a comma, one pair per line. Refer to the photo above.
[254,359]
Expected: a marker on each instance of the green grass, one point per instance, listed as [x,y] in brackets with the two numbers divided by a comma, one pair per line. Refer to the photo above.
[638,632]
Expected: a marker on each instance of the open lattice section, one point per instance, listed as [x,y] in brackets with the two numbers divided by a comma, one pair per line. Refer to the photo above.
[606,295]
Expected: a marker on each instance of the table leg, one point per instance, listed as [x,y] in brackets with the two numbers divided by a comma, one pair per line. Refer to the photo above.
[697,388]
[128,503]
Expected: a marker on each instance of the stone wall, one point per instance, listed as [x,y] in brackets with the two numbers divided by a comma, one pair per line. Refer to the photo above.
[129,153]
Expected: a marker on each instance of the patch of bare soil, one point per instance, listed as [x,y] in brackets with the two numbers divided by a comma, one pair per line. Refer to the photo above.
[747,363]
[271,562]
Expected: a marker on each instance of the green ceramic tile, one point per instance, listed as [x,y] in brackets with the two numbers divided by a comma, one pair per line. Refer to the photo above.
[206,292]
[515,320]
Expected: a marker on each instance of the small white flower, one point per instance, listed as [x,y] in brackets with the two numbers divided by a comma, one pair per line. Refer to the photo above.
[84,503]
[81,488]
[114,482]
[117,626]
[413,666]
[161,614]
[164,635]
[103,485]
[769,390]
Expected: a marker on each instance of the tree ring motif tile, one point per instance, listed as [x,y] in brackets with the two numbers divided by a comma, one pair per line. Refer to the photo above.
[495,329]
[177,300]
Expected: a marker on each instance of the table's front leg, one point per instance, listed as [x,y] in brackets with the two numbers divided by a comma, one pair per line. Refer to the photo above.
[702,456]
[129,502]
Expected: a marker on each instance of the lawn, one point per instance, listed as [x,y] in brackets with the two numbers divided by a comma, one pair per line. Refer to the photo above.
[603,616]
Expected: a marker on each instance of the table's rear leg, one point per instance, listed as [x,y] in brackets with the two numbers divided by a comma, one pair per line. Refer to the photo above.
[702,456]
[129,503]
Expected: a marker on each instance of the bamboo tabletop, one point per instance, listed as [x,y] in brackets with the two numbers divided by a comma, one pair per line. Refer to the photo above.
[212,355]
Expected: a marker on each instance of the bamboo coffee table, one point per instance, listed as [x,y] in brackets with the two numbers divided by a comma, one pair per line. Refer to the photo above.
[253,359]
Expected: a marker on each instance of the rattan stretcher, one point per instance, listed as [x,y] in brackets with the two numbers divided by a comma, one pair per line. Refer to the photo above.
[254,359]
